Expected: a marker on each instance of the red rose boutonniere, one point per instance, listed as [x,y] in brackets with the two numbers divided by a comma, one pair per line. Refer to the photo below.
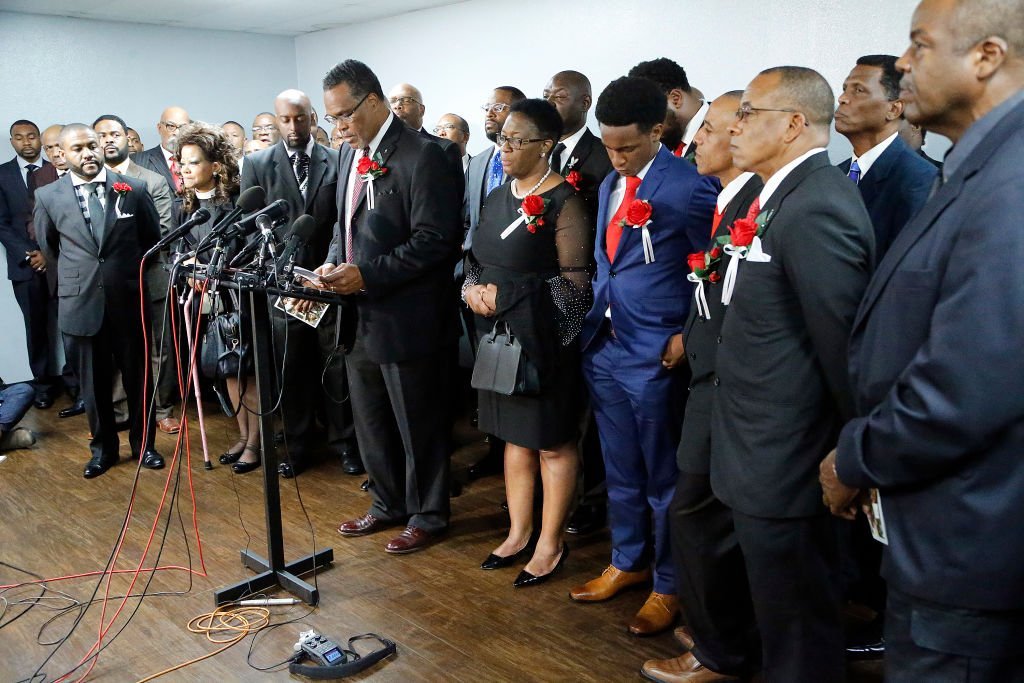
[575,179]
[370,169]
[122,189]
[638,215]
[531,212]
[743,243]
[703,268]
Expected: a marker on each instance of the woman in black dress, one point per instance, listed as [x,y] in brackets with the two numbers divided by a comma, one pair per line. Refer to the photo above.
[528,269]
[209,172]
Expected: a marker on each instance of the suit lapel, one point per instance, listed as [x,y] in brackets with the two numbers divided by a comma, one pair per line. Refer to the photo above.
[793,180]
[291,185]
[604,194]
[580,152]
[648,187]
[317,169]
[879,171]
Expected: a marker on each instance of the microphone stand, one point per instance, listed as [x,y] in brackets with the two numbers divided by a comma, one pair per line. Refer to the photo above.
[272,571]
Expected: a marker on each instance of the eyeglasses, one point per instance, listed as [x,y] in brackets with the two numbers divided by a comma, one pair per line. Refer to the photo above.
[345,116]
[496,108]
[263,129]
[516,143]
[746,110]
[445,126]
[403,101]
[171,125]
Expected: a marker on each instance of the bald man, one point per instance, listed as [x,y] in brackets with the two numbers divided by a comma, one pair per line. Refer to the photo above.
[406,102]
[161,157]
[51,148]
[95,236]
[304,174]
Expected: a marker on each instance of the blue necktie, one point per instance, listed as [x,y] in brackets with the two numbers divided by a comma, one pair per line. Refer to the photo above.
[496,174]
[854,173]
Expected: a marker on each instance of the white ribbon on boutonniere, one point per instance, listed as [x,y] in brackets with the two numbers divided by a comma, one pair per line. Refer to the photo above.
[700,298]
[744,242]
[702,267]
[531,212]
[514,224]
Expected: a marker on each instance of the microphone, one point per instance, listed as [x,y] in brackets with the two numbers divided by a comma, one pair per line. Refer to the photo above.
[271,213]
[200,216]
[301,232]
[253,199]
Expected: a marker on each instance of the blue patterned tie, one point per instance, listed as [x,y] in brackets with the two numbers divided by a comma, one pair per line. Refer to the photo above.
[854,173]
[496,174]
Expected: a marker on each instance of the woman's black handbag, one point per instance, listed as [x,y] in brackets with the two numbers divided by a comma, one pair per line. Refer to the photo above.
[501,365]
[224,354]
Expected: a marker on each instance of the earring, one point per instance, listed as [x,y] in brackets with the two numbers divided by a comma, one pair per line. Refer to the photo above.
[216,175]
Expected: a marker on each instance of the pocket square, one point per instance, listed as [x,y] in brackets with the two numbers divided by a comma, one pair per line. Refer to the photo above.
[124,215]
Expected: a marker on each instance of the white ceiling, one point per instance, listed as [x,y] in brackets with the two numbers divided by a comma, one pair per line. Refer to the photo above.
[276,17]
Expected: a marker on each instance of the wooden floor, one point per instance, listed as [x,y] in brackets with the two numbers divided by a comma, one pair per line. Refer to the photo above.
[451,621]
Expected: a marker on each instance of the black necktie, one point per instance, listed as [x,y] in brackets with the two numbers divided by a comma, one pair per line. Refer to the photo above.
[30,179]
[556,158]
[300,163]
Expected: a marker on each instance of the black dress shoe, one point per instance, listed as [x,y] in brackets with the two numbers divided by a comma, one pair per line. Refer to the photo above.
[486,466]
[97,466]
[43,402]
[526,579]
[861,652]
[351,463]
[76,408]
[587,519]
[152,460]
[498,562]
[365,486]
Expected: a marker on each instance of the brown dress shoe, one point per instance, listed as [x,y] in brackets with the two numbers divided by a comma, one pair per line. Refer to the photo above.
[682,669]
[410,540]
[683,637]
[657,615]
[611,582]
[367,524]
[169,425]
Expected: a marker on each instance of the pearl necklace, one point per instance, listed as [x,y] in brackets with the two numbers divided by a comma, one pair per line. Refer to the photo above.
[515,183]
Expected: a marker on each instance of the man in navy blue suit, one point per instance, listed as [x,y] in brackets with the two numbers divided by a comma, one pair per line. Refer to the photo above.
[893,180]
[936,366]
[894,183]
[632,337]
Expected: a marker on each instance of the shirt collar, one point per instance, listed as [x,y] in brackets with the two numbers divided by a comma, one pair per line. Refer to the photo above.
[866,160]
[375,142]
[101,177]
[973,136]
[694,125]
[206,195]
[122,168]
[167,155]
[644,170]
[23,164]
[289,151]
[773,183]
[570,144]
[730,191]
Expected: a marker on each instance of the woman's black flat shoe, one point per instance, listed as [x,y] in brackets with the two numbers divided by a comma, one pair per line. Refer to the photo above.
[241,467]
[526,579]
[229,457]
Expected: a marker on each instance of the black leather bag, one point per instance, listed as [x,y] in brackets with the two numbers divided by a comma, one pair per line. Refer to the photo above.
[502,366]
[224,354]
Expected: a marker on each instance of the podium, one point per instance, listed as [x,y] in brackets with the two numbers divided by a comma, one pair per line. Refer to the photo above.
[272,571]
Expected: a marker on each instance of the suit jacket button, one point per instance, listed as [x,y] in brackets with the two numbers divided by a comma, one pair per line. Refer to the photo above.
[717,381]
[101,260]
[693,356]
[719,339]
[612,273]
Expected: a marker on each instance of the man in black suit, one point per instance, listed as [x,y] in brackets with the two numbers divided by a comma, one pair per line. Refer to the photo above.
[936,365]
[484,174]
[686,105]
[303,173]
[95,225]
[781,387]
[582,160]
[161,157]
[893,181]
[709,564]
[26,264]
[393,253]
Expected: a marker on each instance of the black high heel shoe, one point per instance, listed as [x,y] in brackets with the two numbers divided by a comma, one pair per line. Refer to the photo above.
[498,562]
[526,579]
[229,456]
[242,467]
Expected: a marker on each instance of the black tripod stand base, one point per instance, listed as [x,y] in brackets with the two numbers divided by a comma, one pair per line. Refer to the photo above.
[286,578]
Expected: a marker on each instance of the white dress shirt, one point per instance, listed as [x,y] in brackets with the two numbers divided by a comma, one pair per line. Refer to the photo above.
[868,158]
[570,144]
[23,167]
[773,183]
[730,191]
[694,125]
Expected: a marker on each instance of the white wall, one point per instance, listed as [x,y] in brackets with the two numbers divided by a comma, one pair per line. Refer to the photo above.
[456,54]
[54,69]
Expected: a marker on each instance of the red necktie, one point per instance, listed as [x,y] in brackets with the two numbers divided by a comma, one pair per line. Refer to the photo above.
[173,164]
[614,232]
[357,187]
[755,208]
[680,149]
[716,221]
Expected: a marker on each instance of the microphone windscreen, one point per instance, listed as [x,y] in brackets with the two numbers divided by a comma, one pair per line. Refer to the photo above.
[200,215]
[303,228]
[253,199]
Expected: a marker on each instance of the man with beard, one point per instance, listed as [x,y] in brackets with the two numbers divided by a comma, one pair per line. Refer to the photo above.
[686,105]
[111,132]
